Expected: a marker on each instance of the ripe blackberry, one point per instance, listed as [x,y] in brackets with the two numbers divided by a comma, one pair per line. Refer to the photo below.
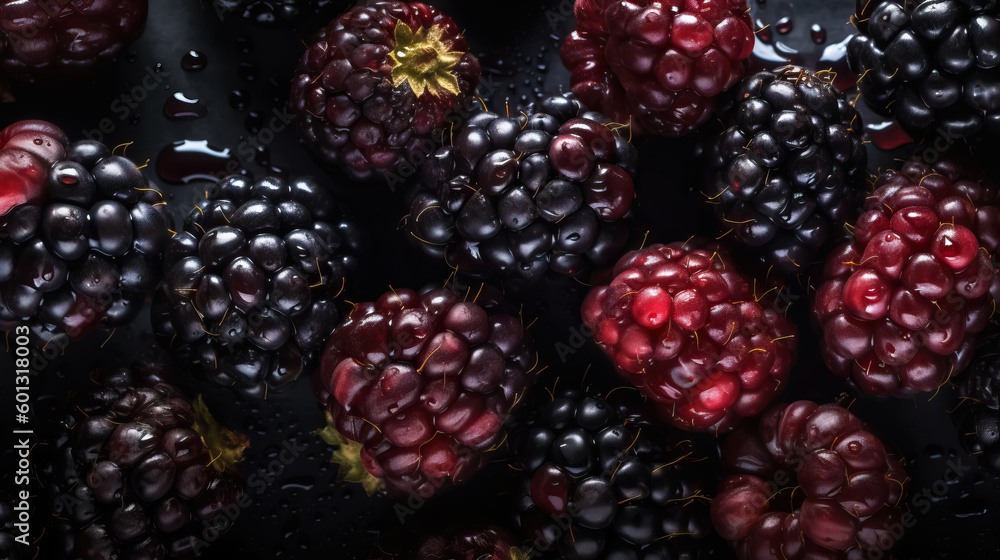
[789,167]
[81,232]
[808,481]
[681,322]
[424,383]
[519,195]
[137,470]
[488,543]
[601,481]
[930,63]
[657,65]
[370,93]
[899,306]
[252,282]
[981,419]
[44,40]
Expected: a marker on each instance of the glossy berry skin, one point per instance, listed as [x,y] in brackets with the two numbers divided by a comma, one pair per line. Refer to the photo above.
[932,64]
[808,481]
[129,474]
[601,480]
[980,419]
[44,41]
[82,233]
[488,543]
[682,324]
[352,111]
[899,306]
[517,196]
[790,168]
[251,284]
[657,65]
[425,382]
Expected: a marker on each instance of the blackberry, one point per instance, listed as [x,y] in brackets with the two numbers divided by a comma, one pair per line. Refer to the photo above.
[379,84]
[932,64]
[82,235]
[269,12]
[900,305]
[841,493]
[42,40]
[252,282]
[790,167]
[681,322]
[981,419]
[137,470]
[425,383]
[601,481]
[519,195]
[657,65]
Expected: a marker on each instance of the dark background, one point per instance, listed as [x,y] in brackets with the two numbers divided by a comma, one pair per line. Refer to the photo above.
[304,512]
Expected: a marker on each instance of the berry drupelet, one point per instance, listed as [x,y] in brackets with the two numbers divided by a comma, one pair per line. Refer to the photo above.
[900,305]
[932,64]
[657,65]
[518,195]
[790,168]
[369,94]
[425,383]
[137,470]
[81,232]
[808,481]
[44,40]
[252,282]
[683,324]
[488,543]
[601,481]
[981,418]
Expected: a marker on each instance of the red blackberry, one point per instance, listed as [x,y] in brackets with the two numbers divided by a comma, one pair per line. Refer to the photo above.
[137,470]
[251,286]
[900,305]
[45,40]
[680,322]
[424,383]
[489,543]
[981,419]
[603,482]
[81,232]
[808,481]
[790,166]
[930,63]
[657,65]
[516,196]
[380,80]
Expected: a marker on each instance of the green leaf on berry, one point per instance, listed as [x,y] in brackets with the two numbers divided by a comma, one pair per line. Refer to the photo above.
[348,455]
[224,445]
[424,60]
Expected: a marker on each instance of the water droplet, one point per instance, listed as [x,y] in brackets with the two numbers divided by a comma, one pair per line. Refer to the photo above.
[245,45]
[248,71]
[158,67]
[783,25]
[239,99]
[189,160]
[817,33]
[834,57]
[764,33]
[194,60]
[254,122]
[181,106]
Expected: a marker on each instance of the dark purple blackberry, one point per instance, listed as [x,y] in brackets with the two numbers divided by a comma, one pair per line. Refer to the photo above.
[790,166]
[603,482]
[87,250]
[484,543]
[518,195]
[932,64]
[981,420]
[137,470]
[252,282]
